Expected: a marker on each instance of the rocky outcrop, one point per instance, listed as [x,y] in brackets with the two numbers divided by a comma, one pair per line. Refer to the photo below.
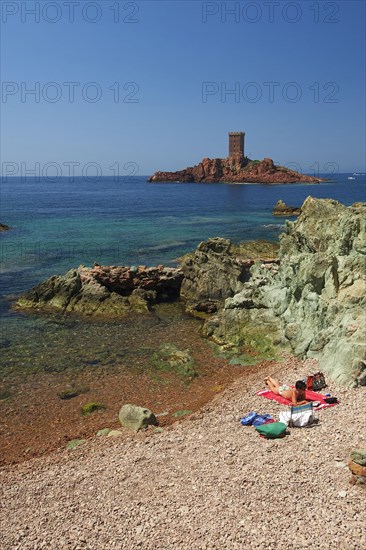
[104,290]
[282,209]
[234,170]
[314,301]
[4,227]
[216,271]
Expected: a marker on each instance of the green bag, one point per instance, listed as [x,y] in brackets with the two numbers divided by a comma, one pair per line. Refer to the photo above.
[272,430]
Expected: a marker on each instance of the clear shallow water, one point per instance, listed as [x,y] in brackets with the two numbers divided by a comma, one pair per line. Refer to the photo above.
[61,225]
[57,226]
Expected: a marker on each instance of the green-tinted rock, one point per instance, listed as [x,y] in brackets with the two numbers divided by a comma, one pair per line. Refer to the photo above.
[89,408]
[169,359]
[135,417]
[114,433]
[313,302]
[103,431]
[358,456]
[75,443]
[70,393]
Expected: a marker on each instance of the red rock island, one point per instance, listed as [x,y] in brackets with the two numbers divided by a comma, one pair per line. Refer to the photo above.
[236,168]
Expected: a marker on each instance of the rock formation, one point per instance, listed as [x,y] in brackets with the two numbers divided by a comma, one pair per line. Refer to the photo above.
[4,227]
[314,301]
[282,209]
[217,270]
[234,170]
[104,290]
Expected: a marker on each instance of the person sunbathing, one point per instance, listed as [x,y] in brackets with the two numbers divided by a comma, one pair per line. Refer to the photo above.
[296,395]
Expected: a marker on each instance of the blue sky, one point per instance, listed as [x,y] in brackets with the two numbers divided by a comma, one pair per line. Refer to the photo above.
[168,55]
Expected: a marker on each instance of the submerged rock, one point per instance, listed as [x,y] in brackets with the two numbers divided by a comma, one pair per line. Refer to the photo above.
[170,359]
[314,301]
[89,408]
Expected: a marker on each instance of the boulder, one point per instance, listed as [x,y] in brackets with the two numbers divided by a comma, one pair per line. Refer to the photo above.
[4,227]
[313,302]
[135,417]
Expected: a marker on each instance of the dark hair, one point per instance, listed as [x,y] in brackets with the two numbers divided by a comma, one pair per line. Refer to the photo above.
[300,385]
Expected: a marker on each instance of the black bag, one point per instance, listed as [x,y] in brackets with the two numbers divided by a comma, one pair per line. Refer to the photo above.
[331,400]
[319,381]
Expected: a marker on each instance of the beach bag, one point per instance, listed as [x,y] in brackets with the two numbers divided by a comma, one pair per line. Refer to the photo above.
[331,400]
[272,430]
[318,381]
[298,420]
[309,382]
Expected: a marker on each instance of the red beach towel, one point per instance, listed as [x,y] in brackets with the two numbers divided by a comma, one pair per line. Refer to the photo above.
[310,396]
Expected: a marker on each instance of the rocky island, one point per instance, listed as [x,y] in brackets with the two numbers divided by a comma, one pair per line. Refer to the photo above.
[236,168]
[307,294]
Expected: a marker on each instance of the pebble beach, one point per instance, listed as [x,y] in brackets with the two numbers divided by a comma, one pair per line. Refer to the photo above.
[203,482]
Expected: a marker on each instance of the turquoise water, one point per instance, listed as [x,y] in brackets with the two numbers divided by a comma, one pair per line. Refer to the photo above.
[63,224]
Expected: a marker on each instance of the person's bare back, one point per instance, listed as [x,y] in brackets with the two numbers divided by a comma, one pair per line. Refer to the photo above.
[295,395]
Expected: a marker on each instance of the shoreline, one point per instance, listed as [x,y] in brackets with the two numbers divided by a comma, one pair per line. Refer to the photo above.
[37,421]
[208,466]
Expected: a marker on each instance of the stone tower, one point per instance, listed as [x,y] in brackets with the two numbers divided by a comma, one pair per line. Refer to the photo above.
[236,145]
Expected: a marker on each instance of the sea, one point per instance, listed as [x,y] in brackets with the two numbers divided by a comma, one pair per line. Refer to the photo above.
[58,225]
